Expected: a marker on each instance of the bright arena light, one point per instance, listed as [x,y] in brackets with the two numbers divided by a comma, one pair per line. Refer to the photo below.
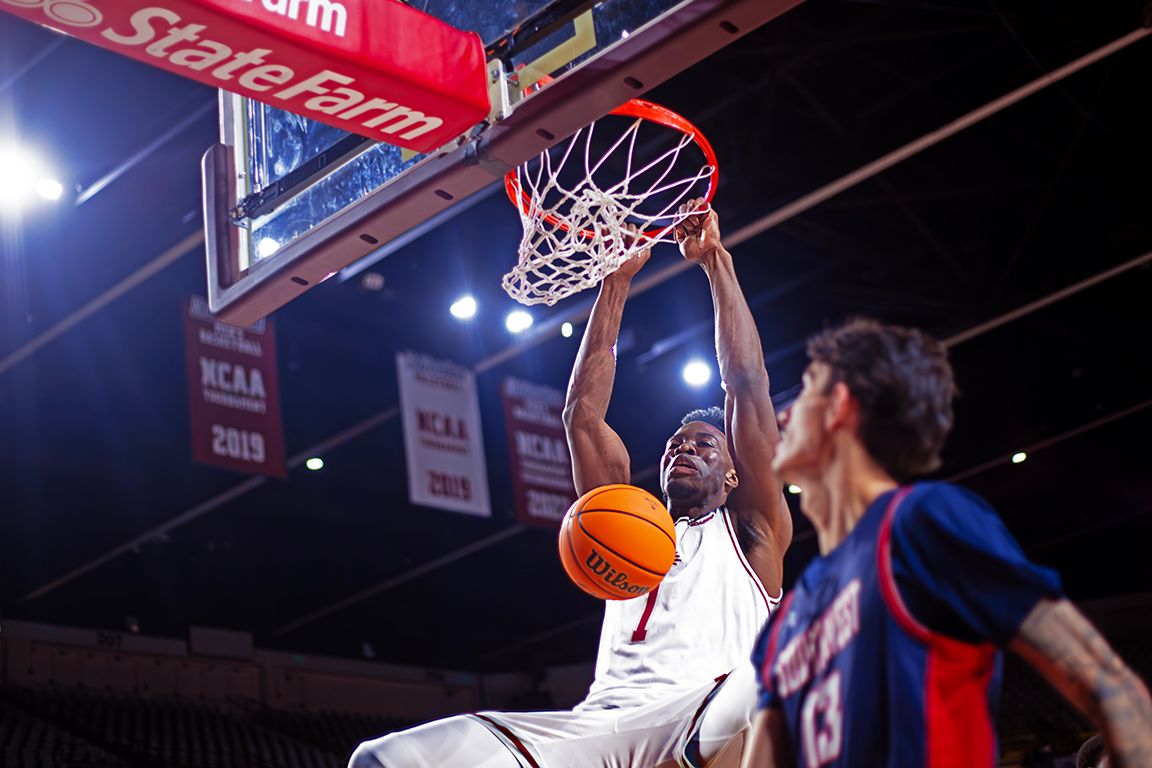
[697,373]
[17,175]
[518,321]
[267,246]
[315,463]
[566,330]
[23,176]
[463,308]
[372,281]
[793,489]
[1018,458]
[49,189]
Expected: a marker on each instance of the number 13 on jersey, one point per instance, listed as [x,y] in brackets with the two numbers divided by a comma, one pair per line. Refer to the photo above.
[821,722]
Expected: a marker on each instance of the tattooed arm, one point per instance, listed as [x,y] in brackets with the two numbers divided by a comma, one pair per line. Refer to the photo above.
[1058,641]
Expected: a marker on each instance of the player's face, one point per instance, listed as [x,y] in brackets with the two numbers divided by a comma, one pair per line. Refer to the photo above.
[695,464]
[804,441]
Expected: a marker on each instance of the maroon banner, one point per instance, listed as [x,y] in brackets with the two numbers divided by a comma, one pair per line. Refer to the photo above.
[233,393]
[541,467]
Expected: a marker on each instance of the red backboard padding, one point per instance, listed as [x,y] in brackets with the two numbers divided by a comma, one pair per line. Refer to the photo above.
[374,67]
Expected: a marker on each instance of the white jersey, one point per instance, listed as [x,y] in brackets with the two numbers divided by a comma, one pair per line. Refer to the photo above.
[700,623]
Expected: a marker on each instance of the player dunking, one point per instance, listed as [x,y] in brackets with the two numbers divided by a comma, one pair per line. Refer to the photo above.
[885,653]
[672,684]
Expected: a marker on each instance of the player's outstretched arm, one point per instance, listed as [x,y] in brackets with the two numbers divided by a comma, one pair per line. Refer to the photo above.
[767,745]
[598,454]
[1066,649]
[753,433]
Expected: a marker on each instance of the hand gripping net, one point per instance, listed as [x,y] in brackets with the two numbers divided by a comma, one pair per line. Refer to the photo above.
[574,238]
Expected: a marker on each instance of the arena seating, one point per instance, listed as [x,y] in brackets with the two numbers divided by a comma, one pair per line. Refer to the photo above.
[53,728]
[30,742]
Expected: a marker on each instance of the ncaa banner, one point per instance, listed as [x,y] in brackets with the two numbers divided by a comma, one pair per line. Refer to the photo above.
[233,393]
[374,67]
[541,467]
[442,437]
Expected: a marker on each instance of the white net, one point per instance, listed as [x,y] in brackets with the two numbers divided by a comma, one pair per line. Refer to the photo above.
[575,237]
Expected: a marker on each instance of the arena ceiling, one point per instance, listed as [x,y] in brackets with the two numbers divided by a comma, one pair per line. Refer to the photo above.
[94,436]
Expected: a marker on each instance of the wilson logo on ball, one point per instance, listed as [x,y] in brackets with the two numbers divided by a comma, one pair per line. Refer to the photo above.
[613,578]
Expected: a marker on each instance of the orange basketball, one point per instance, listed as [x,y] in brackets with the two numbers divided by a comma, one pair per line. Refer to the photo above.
[617,542]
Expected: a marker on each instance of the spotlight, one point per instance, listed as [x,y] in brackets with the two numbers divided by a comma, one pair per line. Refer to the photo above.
[18,174]
[794,489]
[518,321]
[372,281]
[1018,458]
[566,330]
[315,463]
[23,176]
[463,308]
[49,189]
[267,246]
[697,373]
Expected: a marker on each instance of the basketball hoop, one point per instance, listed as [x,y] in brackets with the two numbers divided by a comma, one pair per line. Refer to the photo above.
[578,233]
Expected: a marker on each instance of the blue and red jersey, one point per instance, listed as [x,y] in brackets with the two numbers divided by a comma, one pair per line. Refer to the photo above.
[885,653]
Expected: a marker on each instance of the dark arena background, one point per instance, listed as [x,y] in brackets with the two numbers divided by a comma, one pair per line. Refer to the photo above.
[156,611]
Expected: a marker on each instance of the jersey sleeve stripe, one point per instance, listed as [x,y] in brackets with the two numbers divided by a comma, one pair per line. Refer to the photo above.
[957,727]
[888,587]
[769,602]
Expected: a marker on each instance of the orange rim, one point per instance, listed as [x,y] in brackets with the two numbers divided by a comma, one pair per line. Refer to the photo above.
[644,110]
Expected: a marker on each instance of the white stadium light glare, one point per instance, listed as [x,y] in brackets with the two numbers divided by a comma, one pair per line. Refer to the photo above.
[463,308]
[315,463]
[24,177]
[566,330]
[267,247]
[49,189]
[1018,458]
[697,373]
[518,321]
[18,174]
[794,489]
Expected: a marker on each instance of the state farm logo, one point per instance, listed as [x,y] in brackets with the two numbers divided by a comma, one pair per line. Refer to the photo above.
[252,58]
[326,15]
[72,13]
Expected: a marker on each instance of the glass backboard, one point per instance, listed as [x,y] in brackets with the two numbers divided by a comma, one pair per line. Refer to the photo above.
[289,202]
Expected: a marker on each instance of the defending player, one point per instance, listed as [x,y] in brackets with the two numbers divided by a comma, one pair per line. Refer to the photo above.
[673,685]
[886,651]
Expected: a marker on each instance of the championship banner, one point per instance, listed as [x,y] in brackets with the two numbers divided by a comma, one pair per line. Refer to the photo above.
[374,67]
[541,467]
[442,437]
[233,393]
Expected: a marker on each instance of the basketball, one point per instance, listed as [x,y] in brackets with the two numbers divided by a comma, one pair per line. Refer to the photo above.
[617,542]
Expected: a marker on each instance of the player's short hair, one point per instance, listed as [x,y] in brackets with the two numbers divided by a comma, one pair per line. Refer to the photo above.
[713,415]
[903,381]
[1091,752]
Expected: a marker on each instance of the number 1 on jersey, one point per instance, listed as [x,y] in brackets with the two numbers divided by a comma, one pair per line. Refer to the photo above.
[641,630]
